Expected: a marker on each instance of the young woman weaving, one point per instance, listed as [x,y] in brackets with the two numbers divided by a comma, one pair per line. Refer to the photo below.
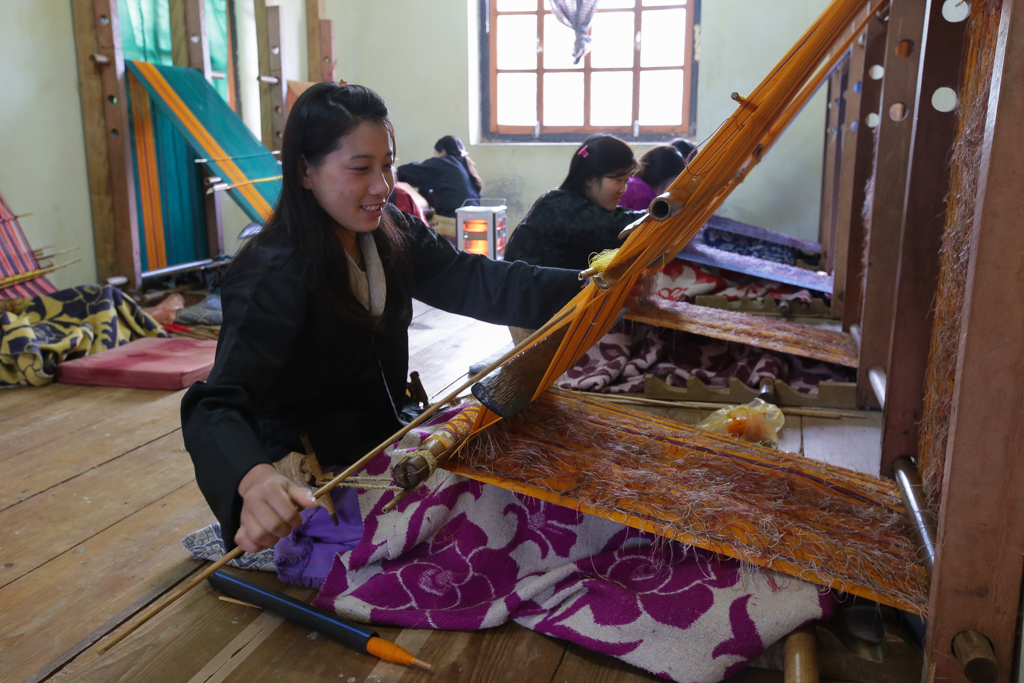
[580,218]
[316,315]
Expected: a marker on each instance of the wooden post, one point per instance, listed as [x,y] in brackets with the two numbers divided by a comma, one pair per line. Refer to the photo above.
[101,82]
[921,237]
[902,58]
[268,38]
[327,59]
[832,163]
[847,303]
[191,44]
[319,42]
[980,560]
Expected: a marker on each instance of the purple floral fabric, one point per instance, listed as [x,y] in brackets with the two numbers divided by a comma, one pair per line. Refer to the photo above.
[466,555]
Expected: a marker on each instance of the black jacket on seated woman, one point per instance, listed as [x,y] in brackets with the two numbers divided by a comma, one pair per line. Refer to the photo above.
[447,179]
[316,315]
[582,217]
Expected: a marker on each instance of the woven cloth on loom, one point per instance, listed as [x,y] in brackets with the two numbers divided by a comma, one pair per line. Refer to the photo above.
[819,522]
[619,362]
[681,279]
[819,343]
[16,258]
[215,133]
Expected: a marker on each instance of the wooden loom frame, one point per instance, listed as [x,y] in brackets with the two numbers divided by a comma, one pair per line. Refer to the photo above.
[980,551]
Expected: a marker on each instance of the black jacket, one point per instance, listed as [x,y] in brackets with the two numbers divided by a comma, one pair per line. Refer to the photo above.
[443,181]
[563,229]
[279,373]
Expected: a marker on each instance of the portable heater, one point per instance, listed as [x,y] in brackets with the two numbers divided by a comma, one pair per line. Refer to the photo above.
[482,229]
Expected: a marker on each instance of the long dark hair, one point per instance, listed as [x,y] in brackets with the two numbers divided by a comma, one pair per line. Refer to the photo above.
[323,115]
[660,163]
[453,147]
[599,155]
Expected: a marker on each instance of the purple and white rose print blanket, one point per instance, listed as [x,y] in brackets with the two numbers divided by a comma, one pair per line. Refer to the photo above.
[467,555]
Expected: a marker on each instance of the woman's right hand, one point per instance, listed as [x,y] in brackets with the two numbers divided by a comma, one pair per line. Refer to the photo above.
[271,507]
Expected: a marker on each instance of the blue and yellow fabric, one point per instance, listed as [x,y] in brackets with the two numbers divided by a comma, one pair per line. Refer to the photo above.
[39,332]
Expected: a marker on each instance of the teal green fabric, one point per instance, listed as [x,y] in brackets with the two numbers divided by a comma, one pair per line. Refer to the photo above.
[146,36]
[230,133]
[181,192]
[217,34]
[146,30]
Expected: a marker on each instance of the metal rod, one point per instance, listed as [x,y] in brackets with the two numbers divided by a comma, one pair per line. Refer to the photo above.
[921,519]
[664,206]
[876,375]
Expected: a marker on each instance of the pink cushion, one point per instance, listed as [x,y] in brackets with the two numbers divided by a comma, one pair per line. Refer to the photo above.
[147,363]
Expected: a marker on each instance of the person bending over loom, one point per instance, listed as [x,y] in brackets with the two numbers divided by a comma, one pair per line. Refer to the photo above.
[582,217]
[447,180]
[316,315]
[656,170]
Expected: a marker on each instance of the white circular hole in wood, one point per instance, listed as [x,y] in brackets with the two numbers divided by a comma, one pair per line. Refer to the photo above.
[876,72]
[955,11]
[944,99]
[872,120]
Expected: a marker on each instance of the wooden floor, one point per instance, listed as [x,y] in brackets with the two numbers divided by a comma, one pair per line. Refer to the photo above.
[96,492]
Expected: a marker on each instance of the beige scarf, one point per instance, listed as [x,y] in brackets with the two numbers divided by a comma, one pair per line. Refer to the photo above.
[368,287]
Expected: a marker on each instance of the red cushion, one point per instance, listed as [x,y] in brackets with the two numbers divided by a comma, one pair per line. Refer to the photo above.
[147,363]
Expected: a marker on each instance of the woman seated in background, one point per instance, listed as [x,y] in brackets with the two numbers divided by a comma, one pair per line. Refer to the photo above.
[657,168]
[446,180]
[582,217]
[684,146]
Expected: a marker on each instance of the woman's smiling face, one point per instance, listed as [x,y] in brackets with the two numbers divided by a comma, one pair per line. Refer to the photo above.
[353,182]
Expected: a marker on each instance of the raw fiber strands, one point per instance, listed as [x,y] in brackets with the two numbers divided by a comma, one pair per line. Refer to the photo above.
[956,238]
[764,333]
[818,522]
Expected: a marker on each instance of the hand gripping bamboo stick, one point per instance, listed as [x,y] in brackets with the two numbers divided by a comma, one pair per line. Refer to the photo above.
[168,600]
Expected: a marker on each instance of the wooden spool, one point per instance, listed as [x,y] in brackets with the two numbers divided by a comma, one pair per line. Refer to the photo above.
[802,656]
[974,652]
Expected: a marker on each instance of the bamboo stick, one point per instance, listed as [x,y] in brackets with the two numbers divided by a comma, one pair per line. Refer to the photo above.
[702,405]
[33,274]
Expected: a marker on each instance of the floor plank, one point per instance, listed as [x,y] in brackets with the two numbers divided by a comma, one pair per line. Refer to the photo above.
[70,513]
[581,665]
[58,418]
[442,363]
[18,401]
[53,613]
[72,453]
[434,326]
[850,442]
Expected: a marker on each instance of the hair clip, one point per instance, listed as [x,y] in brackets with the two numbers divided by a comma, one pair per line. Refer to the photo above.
[583,152]
[342,81]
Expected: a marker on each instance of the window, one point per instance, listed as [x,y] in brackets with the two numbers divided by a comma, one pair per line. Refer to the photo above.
[637,80]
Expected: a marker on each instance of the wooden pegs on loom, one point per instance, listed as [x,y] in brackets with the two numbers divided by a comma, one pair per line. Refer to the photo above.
[802,655]
[314,466]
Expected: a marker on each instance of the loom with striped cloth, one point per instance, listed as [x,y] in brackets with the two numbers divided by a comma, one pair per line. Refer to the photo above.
[823,523]
[178,118]
[20,272]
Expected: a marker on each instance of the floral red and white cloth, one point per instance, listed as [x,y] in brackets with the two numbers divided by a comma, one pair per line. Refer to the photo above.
[683,280]
[467,555]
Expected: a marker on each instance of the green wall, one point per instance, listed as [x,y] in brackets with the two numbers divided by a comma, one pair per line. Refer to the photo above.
[422,57]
